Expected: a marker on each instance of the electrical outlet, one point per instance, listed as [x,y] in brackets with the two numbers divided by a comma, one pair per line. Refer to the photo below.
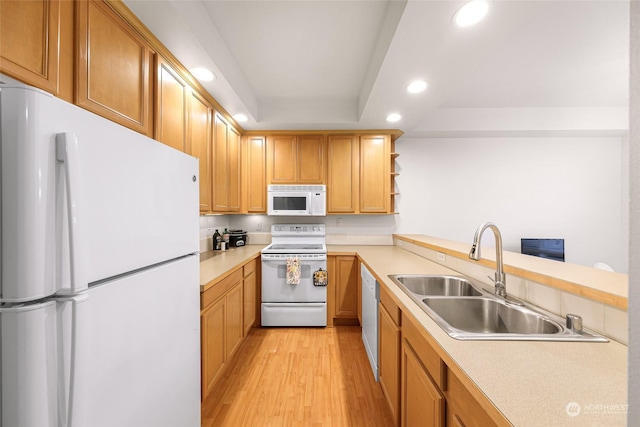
[442,257]
[259,226]
[339,222]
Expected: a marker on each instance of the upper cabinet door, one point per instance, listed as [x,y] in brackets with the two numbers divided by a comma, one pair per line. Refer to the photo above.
[295,159]
[113,67]
[171,106]
[199,144]
[254,175]
[29,36]
[220,165]
[342,173]
[226,167]
[233,153]
[282,159]
[311,168]
[375,174]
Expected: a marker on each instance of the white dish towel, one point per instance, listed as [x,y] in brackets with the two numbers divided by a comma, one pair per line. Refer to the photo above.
[293,270]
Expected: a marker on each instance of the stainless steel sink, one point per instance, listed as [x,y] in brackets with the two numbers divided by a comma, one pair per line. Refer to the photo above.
[489,316]
[466,311]
[436,285]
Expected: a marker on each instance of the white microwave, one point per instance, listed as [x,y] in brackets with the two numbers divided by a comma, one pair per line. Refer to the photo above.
[297,200]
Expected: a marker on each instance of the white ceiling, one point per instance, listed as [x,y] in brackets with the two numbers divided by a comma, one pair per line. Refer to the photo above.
[530,66]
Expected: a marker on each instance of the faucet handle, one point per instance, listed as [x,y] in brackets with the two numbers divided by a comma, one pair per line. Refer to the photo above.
[574,322]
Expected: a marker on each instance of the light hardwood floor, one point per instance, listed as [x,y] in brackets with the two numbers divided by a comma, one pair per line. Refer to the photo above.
[299,377]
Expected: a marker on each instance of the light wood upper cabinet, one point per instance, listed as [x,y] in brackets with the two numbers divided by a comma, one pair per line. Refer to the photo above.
[199,142]
[33,37]
[113,67]
[172,96]
[226,167]
[233,143]
[282,159]
[375,174]
[342,173]
[295,159]
[254,158]
[360,174]
[310,156]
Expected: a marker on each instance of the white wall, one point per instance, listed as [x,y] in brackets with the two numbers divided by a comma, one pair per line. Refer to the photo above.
[562,187]
[634,247]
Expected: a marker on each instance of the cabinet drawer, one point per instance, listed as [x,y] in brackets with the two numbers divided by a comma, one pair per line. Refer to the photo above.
[427,354]
[219,288]
[390,305]
[462,408]
[250,267]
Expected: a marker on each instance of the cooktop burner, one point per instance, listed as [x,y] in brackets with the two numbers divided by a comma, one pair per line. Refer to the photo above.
[297,238]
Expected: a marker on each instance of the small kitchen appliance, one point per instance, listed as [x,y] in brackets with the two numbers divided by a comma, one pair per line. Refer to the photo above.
[237,238]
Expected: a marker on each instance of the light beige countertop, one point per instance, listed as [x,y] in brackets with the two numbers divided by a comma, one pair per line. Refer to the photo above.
[529,382]
[215,265]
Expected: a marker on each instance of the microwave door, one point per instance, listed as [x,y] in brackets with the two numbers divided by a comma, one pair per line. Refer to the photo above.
[289,204]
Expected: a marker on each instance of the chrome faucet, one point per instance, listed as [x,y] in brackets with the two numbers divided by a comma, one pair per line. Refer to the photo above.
[500,279]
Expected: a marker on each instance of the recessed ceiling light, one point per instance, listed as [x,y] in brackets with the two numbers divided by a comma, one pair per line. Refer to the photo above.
[417,86]
[240,118]
[394,117]
[202,74]
[471,13]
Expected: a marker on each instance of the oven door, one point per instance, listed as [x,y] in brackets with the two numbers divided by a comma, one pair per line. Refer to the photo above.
[274,279]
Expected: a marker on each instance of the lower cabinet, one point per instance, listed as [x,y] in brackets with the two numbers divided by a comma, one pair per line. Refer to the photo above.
[212,325]
[343,289]
[463,410]
[389,353]
[422,402]
[250,291]
[228,311]
[419,387]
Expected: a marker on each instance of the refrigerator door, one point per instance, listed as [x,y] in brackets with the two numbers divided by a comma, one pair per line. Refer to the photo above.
[136,199]
[41,363]
[125,353]
[144,348]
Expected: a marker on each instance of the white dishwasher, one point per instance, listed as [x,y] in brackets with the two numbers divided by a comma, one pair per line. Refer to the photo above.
[370,298]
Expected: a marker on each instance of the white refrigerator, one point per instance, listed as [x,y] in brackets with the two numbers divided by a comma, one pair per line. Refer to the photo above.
[99,291]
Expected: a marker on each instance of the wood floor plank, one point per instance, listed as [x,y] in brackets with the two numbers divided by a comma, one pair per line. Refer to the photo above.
[298,377]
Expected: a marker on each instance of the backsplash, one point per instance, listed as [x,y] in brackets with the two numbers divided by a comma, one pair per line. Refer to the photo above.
[606,320]
[208,225]
[341,230]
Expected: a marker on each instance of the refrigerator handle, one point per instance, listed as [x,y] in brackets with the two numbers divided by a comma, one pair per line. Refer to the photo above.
[67,153]
[78,361]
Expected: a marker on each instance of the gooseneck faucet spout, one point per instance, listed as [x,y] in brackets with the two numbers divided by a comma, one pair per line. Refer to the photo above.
[500,279]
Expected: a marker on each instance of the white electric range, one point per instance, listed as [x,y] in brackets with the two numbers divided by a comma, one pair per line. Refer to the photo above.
[294,276]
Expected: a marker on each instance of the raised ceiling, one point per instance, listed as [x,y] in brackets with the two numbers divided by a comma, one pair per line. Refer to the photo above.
[530,66]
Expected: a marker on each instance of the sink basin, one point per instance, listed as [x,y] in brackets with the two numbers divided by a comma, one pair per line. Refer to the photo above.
[436,285]
[490,316]
[466,311]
